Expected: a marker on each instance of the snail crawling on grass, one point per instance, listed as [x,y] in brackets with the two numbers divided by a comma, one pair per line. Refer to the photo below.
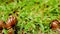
[11,22]
[55,25]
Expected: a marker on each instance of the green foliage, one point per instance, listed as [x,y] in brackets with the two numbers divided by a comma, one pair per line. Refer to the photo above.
[29,13]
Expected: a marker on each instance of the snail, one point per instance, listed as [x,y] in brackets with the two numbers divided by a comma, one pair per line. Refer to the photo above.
[10,22]
[55,24]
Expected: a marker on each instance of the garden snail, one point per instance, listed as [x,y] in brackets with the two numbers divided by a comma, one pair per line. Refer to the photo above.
[10,22]
[55,24]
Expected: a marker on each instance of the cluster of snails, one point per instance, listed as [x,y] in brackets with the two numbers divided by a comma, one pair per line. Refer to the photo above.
[11,21]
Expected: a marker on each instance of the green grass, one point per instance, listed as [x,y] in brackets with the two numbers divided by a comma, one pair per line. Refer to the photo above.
[34,16]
